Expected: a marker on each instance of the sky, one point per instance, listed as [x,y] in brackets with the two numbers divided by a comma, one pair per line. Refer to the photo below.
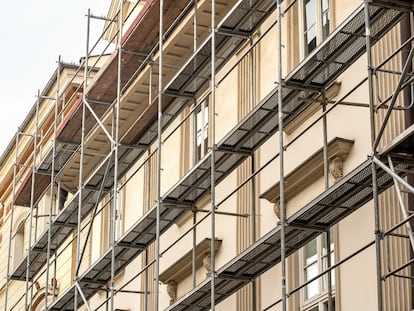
[33,35]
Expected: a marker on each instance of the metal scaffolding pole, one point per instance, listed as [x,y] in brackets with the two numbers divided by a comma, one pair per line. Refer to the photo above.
[327,235]
[194,150]
[374,170]
[281,159]
[213,154]
[29,242]
[82,156]
[149,154]
[16,158]
[115,149]
[52,183]
[95,211]
[159,169]
[253,168]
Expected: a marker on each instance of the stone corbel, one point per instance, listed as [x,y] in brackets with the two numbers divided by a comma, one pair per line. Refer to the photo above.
[172,291]
[276,208]
[207,263]
[336,168]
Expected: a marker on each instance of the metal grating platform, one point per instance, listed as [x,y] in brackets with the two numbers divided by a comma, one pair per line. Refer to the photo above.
[404,5]
[242,20]
[346,196]
[342,47]
[63,153]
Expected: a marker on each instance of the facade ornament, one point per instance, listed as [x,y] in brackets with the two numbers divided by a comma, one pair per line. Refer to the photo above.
[336,168]
[207,263]
[53,284]
[276,208]
[172,291]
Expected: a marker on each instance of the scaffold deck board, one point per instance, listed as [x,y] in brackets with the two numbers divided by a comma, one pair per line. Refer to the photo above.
[343,46]
[346,196]
[244,18]
[43,174]
[141,37]
[24,192]
[405,5]
[139,40]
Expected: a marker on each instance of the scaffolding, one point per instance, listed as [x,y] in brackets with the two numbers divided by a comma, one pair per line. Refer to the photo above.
[126,135]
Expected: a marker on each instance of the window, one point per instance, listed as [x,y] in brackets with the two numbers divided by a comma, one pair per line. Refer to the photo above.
[107,221]
[314,262]
[201,130]
[18,245]
[316,23]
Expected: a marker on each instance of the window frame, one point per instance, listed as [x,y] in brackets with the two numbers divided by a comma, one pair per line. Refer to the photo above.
[201,108]
[320,299]
[319,14]
[19,241]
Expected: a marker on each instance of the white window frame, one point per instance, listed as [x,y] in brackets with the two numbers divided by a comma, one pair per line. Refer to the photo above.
[201,133]
[19,248]
[320,36]
[319,300]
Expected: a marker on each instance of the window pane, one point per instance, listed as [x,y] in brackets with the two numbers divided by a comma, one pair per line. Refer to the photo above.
[311,39]
[312,289]
[310,25]
[310,13]
[310,252]
[325,260]
[201,130]
[325,18]
[325,5]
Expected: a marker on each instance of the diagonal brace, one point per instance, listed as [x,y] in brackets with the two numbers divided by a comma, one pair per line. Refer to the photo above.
[402,205]
[82,295]
[395,176]
[99,121]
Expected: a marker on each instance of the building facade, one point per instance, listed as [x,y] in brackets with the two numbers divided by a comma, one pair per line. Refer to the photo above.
[257,160]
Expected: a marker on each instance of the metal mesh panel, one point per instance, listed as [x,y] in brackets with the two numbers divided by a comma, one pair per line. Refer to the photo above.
[344,46]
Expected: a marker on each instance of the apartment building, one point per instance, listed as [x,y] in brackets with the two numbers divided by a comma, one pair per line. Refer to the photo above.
[257,155]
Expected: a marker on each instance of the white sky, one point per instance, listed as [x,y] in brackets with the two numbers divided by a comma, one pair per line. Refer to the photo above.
[33,35]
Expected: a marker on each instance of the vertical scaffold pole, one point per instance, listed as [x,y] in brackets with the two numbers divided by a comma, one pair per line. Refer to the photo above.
[213,155]
[9,256]
[253,167]
[159,169]
[115,148]
[29,242]
[52,185]
[374,171]
[194,255]
[146,274]
[149,179]
[281,159]
[82,154]
[327,235]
